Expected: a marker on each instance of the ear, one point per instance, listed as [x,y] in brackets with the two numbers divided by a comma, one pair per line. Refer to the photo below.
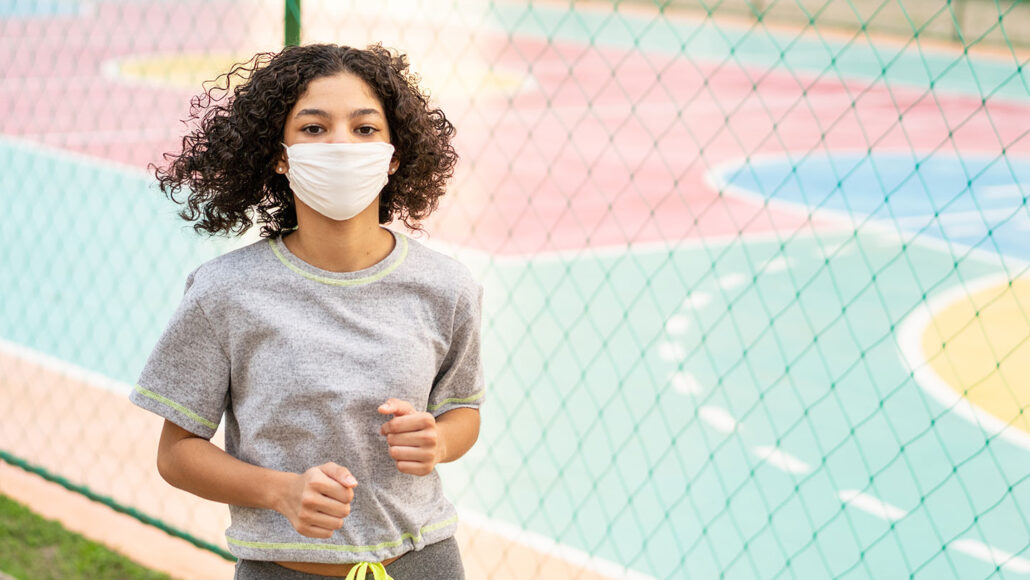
[394,164]
[281,164]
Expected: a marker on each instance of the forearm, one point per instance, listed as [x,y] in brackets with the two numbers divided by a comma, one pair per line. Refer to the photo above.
[198,466]
[458,431]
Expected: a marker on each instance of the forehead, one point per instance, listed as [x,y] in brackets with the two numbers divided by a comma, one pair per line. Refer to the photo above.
[342,91]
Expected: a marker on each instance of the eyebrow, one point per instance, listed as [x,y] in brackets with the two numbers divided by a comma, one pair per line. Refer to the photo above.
[354,114]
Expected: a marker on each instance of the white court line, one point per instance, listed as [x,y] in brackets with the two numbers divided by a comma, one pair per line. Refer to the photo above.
[696,300]
[730,281]
[991,555]
[871,505]
[718,419]
[677,325]
[782,460]
[672,352]
[910,345]
[65,368]
[546,545]
[686,383]
[776,265]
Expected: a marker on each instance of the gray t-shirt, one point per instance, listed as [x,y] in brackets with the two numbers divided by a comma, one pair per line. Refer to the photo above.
[299,359]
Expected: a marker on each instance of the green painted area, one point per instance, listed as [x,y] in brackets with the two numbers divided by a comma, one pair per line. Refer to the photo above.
[592,439]
[800,55]
[96,259]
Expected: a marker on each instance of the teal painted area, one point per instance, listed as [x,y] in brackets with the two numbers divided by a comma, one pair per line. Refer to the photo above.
[94,259]
[20,9]
[588,439]
[803,54]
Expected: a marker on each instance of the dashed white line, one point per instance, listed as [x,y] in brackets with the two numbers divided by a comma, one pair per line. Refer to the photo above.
[730,281]
[696,300]
[686,384]
[871,505]
[672,352]
[782,460]
[777,265]
[991,555]
[677,325]
[718,419]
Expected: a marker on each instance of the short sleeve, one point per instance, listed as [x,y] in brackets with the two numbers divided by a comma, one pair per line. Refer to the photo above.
[186,378]
[460,381]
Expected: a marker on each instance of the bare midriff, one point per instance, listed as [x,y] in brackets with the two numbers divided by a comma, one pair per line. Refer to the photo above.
[332,570]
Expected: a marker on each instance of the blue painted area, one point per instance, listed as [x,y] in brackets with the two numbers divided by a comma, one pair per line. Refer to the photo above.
[975,202]
[39,8]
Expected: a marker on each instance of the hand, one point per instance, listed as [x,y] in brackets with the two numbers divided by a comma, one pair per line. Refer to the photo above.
[317,500]
[415,443]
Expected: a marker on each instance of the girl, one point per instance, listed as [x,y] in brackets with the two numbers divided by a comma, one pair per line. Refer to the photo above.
[344,356]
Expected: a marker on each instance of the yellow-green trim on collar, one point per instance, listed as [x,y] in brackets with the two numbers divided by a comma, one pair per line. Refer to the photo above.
[344,282]
[344,547]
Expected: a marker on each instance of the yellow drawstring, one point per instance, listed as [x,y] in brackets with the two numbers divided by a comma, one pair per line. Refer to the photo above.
[377,568]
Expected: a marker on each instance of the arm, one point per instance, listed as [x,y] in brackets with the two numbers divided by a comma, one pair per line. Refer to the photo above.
[315,502]
[418,441]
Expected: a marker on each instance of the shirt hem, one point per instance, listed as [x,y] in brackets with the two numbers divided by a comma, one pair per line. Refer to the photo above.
[317,551]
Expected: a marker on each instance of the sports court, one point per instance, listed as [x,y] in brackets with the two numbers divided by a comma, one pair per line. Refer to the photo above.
[757,300]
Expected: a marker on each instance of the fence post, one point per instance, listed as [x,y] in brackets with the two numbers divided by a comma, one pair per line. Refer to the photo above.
[291,23]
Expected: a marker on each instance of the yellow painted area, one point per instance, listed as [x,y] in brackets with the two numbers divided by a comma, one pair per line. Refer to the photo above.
[980,346]
[188,71]
[442,78]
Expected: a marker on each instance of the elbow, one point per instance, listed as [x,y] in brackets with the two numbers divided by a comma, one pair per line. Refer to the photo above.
[166,466]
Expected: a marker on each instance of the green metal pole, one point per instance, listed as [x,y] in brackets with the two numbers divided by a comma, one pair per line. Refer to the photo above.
[292,23]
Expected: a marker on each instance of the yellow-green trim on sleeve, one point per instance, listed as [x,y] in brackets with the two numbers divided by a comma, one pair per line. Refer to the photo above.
[170,403]
[344,547]
[475,397]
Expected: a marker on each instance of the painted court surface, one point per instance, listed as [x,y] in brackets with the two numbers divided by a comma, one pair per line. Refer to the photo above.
[756,303]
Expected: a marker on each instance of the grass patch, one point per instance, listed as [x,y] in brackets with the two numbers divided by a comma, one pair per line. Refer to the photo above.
[32,548]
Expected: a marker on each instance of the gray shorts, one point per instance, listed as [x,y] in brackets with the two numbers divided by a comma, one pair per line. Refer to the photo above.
[439,561]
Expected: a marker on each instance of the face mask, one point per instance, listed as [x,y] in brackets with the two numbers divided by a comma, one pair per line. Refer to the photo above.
[338,180]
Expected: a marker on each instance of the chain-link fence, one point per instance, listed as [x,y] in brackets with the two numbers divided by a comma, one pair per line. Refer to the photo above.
[756,306]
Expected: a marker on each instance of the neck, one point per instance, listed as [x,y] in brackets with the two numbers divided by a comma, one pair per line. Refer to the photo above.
[346,246]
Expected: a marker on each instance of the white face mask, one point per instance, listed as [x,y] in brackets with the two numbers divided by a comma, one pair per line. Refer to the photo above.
[338,180]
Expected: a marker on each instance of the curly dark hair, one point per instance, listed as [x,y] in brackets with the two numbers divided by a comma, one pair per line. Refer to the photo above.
[228,160]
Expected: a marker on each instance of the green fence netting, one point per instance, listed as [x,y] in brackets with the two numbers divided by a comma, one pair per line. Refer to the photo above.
[756,291]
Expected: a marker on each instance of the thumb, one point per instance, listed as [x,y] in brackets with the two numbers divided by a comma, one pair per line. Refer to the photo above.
[396,407]
[339,473]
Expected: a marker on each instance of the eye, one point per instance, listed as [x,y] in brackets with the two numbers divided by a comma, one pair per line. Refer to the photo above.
[367,130]
[312,129]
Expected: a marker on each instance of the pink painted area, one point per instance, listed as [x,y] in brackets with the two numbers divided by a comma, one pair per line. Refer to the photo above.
[599,147]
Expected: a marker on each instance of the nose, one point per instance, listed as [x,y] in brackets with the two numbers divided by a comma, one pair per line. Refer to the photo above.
[343,134]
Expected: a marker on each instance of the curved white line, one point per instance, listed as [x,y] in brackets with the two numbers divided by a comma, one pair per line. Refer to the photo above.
[910,334]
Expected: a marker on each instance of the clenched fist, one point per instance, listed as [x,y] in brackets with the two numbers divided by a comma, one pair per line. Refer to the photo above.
[415,443]
[318,499]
